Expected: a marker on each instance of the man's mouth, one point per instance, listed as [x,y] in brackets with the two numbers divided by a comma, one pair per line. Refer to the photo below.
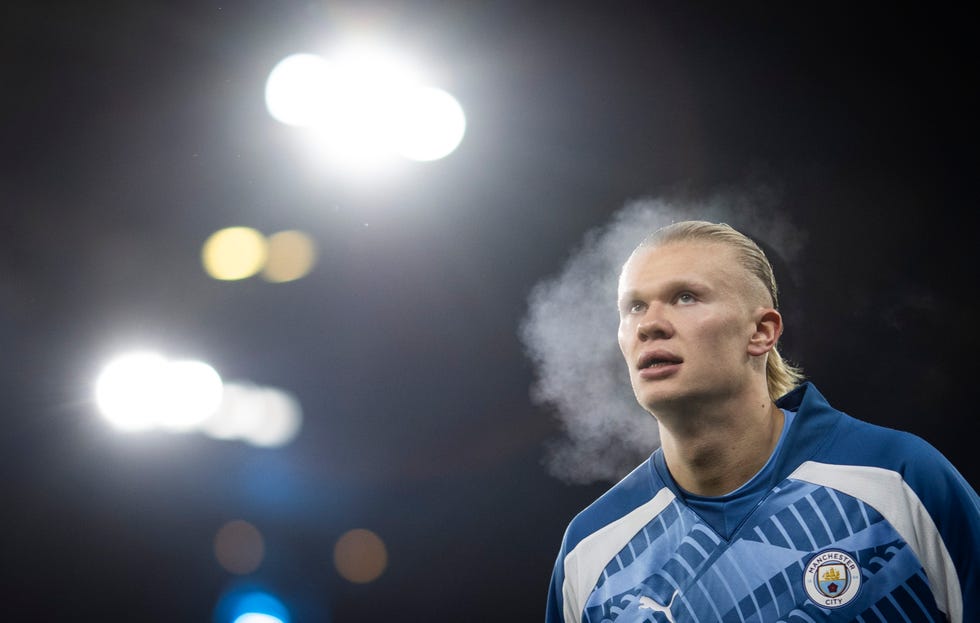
[658,360]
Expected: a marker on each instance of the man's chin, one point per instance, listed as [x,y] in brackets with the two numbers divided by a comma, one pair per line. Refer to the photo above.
[665,399]
[651,399]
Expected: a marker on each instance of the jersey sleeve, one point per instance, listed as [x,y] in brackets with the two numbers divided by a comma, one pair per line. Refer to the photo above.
[955,509]
[554,612]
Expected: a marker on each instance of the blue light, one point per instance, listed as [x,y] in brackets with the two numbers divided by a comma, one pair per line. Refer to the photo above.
[256,617]
[249,605]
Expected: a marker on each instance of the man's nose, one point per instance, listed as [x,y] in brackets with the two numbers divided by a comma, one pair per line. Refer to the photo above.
[654,325]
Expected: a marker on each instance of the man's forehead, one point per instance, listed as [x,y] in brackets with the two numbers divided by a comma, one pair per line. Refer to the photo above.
[683,261]
[704,265]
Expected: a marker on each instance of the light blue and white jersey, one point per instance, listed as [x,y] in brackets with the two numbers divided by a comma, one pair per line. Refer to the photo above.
[848,522]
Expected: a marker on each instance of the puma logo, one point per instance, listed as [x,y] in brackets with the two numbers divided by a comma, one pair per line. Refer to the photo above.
[649,604]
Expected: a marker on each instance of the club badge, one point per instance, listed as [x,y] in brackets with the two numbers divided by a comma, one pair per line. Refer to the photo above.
[832,579]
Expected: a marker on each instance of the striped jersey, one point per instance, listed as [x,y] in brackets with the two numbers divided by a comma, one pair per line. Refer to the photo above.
[847,522]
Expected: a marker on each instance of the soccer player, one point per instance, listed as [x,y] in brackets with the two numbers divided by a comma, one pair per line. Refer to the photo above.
[763,503]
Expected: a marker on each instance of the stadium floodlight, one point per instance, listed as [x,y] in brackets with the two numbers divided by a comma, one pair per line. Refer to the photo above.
[363,105]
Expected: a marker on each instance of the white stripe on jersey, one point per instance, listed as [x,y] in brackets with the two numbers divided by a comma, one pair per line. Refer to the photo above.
[891,496]
[584,564]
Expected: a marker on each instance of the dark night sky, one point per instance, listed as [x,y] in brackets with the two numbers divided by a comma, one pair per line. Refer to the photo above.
[132,130]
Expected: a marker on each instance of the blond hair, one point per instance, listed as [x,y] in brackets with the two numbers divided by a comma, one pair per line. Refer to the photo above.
[781,376]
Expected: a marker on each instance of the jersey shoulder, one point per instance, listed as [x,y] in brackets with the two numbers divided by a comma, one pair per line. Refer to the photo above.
[634,490]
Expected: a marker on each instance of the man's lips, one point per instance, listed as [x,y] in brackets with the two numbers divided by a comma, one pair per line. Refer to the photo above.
[658,364]
[657,358]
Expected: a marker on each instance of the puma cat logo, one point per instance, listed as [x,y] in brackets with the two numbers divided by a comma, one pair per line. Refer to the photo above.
[649,604]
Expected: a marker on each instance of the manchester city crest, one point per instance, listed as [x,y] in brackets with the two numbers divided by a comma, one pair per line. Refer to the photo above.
[832,578]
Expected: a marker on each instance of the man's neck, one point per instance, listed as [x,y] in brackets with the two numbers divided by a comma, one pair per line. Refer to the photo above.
[718,449]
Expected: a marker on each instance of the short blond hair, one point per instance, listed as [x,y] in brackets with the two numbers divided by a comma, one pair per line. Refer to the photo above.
[781,376]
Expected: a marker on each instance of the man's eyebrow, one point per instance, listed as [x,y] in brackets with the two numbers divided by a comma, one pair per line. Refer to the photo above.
[628,295]
[671,285]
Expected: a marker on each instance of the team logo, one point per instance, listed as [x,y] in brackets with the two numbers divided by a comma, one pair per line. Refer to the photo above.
[649,604]
[832,579]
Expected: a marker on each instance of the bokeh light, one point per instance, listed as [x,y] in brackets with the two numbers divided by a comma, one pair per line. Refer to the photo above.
[257,617]
[239,547]
[261,416]
[298,88]
[191,392]
[245,604]
[363,106]
[144,390]
[433,125]
[234,253]
[126,390]
[360,556]
[291,256]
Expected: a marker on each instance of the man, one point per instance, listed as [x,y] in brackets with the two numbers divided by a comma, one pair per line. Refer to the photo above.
[764,503]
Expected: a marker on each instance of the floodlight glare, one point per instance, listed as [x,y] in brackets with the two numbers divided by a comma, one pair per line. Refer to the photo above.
[127,391]
[432,125]
[145,390]
[297,90]
[191,393]
[364,106]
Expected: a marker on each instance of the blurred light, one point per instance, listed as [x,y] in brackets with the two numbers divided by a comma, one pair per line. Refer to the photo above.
[247,605]
[258,617]
[364,106]
[234,253]
[144,390]
[360,556]
[291,255]
[239,547]
[367,90]
[298,88]
[191,392]
[433,125]
[128,389]
[261,416]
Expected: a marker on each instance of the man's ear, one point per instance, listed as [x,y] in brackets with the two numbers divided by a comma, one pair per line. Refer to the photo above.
[768,328]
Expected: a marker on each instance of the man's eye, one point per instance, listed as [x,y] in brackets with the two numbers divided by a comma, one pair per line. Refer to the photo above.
[636,308]
[686,297]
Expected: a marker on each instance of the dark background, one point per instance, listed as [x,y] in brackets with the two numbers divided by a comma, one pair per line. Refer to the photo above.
[132,130]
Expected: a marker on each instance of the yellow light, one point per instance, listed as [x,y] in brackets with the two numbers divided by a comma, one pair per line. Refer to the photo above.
[291,255]
[234,253]
[239,547]
[360,556]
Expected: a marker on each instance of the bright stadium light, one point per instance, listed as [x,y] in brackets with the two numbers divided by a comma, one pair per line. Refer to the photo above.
[127,391]
[363,105]
[191,394]
[297,90]
[145,390]
[432,125]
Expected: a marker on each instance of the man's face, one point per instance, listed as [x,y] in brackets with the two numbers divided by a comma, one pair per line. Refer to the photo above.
[687,313]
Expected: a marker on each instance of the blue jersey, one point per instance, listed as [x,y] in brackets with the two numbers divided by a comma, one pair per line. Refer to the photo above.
[855,523]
